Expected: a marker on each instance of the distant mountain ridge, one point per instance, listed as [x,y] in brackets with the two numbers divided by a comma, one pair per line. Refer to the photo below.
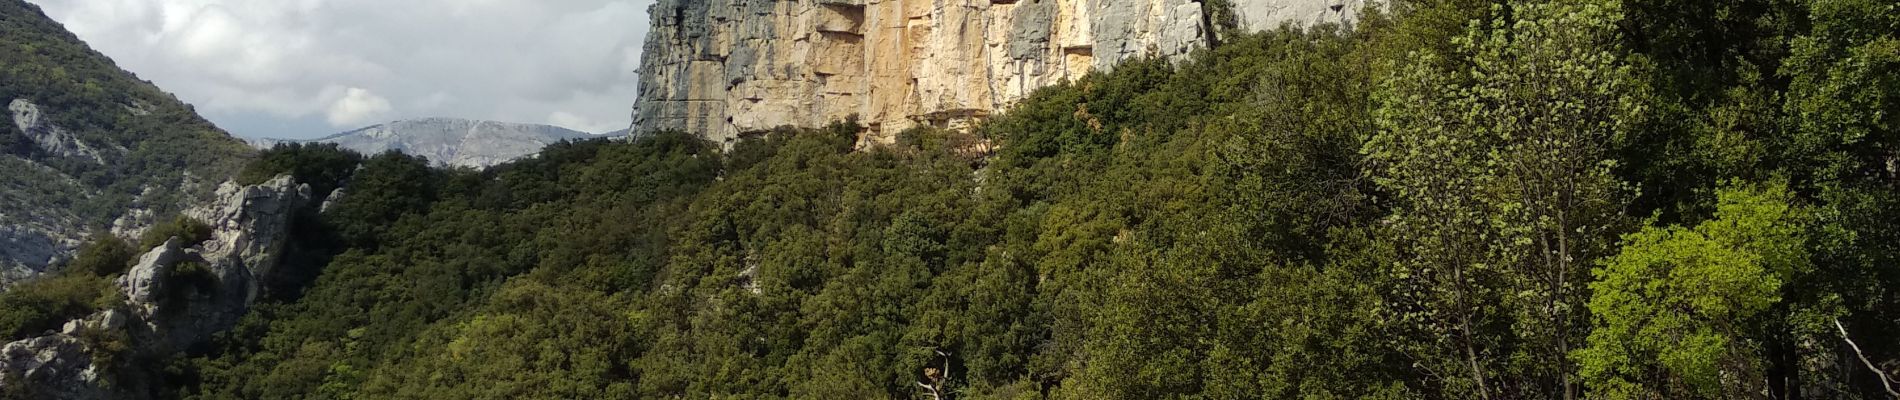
[450,141]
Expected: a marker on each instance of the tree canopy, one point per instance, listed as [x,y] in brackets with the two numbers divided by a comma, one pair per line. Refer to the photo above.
[1624,199]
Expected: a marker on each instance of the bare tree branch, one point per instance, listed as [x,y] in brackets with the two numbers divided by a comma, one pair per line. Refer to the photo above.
[932,390]
[1885,382]
[936,377]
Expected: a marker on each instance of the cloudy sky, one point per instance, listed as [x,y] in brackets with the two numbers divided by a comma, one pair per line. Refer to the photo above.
[309,68]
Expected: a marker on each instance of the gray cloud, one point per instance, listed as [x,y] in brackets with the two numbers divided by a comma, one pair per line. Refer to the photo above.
[304,68]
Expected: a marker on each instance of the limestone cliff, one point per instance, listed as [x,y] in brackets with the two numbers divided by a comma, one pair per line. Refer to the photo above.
[720,68]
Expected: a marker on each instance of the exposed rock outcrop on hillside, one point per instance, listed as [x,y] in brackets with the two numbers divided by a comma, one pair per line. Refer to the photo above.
[55,366]
[87,147]
[176,296]
[723,67]
[49,138]
[35,236]
[180,306]
[31,239]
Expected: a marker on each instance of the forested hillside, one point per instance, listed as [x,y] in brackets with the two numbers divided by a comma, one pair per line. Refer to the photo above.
[1638,199]
[87,143]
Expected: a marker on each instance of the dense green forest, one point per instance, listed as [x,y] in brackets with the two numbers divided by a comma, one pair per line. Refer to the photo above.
[1640,199]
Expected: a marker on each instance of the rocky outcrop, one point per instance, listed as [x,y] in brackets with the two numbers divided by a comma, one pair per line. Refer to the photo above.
[53,367]
[184,295]
[29,244]
[720,68]
[81,139]
[49,138]
[37,233]
[176,295]
[33,237]
[251,226]
[144,284]
[331,200]
[60,366]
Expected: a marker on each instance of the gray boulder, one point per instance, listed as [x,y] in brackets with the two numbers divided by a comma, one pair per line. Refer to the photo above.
[331,201]
[144,284]
[53,367]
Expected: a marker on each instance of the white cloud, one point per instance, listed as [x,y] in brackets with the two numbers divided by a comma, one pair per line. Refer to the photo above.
[284,67]
[357,106]
[572,121]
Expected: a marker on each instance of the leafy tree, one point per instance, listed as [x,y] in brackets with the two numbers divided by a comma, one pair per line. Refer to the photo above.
[1677,310]
[1505,192]
[1843,143]
[1842,99]
[533,341]
[387,187]
[1712,65]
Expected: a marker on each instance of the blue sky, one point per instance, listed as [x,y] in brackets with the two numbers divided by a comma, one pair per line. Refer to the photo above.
[309,68]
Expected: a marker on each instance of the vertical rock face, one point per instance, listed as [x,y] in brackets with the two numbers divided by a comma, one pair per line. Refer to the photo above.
[720,68]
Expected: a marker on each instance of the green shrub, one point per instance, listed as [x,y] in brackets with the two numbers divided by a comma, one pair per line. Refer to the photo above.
[188,278]
[37,306]
[104,256]
[324,166]
[189,231]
